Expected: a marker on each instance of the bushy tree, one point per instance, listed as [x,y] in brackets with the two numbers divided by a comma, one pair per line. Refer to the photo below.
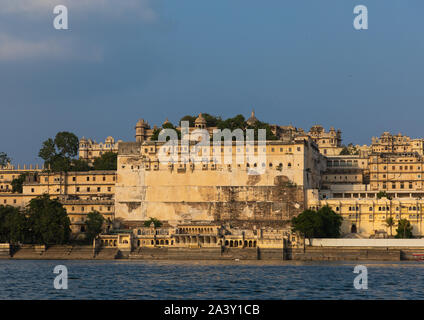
[107,161]
[17,183]
[404,229]
[94,224]
[4,159]
[48,221]
[59,153]
[13,225]
[155,222]
[324,223]
[190,120]
[390,222]
[169,125]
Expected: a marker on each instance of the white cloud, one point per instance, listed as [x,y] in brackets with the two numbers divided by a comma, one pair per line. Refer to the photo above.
[142,8]
[14,49]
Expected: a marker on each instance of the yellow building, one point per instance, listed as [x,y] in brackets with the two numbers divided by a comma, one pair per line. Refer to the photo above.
[329,143]
[89,150]
[368,216]
[79,192]
[10,172]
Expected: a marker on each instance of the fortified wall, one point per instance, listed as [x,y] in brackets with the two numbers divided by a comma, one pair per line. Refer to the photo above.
[187,191]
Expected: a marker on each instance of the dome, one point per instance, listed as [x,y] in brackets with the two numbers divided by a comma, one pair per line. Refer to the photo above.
[252,120]
[200,119]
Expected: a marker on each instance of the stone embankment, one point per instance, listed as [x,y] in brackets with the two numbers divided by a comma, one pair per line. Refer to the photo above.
[60,252]
[310,253]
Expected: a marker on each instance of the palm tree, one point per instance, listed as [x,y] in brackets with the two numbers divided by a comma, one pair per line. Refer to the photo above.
[390,222]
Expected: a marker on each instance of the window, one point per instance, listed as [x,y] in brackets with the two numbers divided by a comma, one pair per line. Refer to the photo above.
[74,178]
[88,189]
[88,178]
[78,189]
[98,189]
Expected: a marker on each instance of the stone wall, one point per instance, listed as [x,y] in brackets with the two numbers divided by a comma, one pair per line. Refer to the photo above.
[205,196]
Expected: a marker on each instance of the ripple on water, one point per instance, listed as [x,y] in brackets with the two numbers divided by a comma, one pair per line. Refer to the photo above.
[209,280]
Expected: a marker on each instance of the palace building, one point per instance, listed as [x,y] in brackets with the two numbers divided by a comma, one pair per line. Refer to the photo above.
[195,187]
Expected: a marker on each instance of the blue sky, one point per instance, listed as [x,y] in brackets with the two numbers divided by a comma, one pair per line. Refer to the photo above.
[298,62]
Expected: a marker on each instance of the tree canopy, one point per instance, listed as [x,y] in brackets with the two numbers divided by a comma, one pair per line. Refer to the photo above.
[48,221]
[94,224]
[17,183]
[404,229]
[324,223]
[59,153]
[13,225]
[4,159]
[107,161]
[156,223]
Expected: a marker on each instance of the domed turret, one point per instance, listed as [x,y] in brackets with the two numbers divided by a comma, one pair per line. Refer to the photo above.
[200,122]
[252,120]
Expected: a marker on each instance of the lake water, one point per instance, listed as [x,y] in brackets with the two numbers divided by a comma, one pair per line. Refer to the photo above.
[28,279]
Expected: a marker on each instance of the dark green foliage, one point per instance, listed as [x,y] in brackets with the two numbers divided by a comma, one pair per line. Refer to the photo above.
[169,125]
[155,221]
[262,125]
[108,161]
[17,184]
[59,153]
[237,122]
[67,144]
[345,151]
[383,194]
[48,221]
[94,224]
[324,223]
[188,118]
[80,165]
[4,159]
[13,225]
[404,229]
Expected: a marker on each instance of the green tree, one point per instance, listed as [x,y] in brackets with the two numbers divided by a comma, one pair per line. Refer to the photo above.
[107,161]
[155,222]
[308,224]
[59,153]
[13,225]
[344,151]
[80,165]
[383,194]
[324,223]
[48,221]
[17,183]
[237,122]
[94,224]
[331,222]
[156,132]
[390,222]
[404,229]
[188,118]
[4,159]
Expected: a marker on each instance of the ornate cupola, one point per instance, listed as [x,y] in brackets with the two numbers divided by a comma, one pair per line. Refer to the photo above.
[200,122]
[252,120]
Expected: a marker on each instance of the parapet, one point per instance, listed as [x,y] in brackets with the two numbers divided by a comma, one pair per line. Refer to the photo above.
[129,148]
